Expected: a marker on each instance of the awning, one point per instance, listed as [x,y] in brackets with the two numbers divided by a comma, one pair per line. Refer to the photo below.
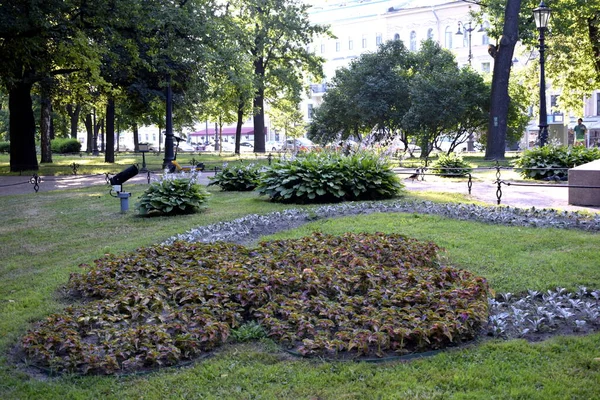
[229,131]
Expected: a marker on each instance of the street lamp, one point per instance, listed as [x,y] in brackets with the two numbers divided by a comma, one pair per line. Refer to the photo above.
[169,144]
[541,15]
[468,29]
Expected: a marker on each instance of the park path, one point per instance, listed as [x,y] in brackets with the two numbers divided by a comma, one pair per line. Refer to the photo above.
[514,196]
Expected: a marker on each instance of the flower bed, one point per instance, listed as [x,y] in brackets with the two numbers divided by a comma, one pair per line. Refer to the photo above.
[359,294]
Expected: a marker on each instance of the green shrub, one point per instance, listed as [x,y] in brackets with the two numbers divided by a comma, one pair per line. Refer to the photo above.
[65,146]
[359,294]
[330,177]
[552,162]
[237,178]
[451,165]
[173,194]
[4,147]
[251,330]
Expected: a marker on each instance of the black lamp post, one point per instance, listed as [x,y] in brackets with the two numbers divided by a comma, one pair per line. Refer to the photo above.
[467,28]
[169,153]
[541,14]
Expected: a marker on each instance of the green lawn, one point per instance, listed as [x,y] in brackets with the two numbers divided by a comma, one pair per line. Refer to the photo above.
[45,236]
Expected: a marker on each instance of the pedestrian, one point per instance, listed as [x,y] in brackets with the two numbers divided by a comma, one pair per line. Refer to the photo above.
[580,132]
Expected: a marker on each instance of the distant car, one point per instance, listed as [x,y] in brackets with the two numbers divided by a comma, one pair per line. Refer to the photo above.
[246,146]
[185,146]
[273,145]
[413,148]
[298,144]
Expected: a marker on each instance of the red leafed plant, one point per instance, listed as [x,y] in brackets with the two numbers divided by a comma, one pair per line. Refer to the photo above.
[351,295]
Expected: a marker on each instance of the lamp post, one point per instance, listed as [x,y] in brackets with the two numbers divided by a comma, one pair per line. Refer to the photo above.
[541,15]
[468,29]
[169,153]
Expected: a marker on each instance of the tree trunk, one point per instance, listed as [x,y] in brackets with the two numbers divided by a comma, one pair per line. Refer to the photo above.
[74,117]
[238,127]
[498,120]
[109,155]
[22,128]
[259,107]
[136,138]
[89,127]
[45,124]
[101,134]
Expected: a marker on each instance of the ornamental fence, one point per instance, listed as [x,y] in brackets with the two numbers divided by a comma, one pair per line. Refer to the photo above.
[418,173]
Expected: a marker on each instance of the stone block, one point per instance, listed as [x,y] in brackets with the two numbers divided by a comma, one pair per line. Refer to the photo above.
[585,175]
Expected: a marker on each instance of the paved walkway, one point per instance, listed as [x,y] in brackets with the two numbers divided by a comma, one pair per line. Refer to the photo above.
[514,196]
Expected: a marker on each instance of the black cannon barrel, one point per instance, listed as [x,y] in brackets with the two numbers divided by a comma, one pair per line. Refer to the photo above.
[124,175]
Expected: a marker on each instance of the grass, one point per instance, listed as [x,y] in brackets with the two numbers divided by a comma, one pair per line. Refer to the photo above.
[87,164]
[45,236]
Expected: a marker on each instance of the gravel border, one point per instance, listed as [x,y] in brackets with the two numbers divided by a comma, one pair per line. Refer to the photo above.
[506,320]
[246,229]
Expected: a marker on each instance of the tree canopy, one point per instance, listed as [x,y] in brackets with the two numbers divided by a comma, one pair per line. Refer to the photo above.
[394,93]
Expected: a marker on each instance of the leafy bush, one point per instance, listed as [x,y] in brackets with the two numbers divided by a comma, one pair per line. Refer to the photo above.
[4,147]
[65,146]
[367,294]
[173,194]
[451,165]
[323,177]
[552,162]
[251,330]
[237,177]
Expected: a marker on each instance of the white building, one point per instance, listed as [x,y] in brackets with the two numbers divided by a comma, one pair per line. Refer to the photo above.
[361,25]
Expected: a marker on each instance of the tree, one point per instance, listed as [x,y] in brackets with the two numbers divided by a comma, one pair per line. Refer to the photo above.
[572,57]
[369,96]
[277,35]
[37,40]
[444,99]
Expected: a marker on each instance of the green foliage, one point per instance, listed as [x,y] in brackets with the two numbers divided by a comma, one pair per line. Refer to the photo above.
[4,147]
[251,330]
[451,165]
[551,162]
[65,146]
[365,293]
[172,195]
[237,177]
[320,177]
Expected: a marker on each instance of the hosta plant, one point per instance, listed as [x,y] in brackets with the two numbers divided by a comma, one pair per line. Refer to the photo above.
[173,194]
[357,294]
[237,177]
[451,165]
[552,162]
[328,176]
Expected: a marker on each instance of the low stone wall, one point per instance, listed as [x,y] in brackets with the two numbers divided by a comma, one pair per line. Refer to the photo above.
[585,175]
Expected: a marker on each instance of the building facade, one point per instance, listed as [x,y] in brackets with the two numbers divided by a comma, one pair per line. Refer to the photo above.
[359,26]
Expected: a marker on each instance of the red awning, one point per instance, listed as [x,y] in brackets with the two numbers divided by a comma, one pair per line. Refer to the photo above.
[246,130]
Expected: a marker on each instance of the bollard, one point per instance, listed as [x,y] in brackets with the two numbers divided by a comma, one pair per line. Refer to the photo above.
[124,196]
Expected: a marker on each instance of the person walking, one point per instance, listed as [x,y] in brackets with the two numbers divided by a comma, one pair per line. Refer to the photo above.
[580,132]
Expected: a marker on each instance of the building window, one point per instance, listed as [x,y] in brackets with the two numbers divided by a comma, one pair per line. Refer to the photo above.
[322,48]
[350,44]
[397,36]
[485,67]
[430,33]
[378,39]
[338,46]
[413,41]
[310,111]
[364,41]
[597,103]
[448,38]
[485,39]
[554,101]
